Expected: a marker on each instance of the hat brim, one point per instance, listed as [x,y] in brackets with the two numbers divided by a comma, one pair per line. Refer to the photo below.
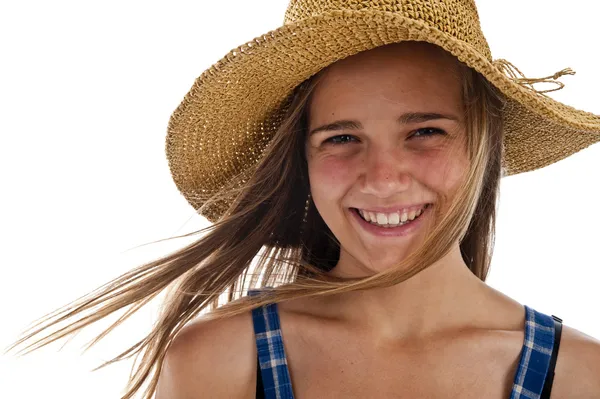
[234,107]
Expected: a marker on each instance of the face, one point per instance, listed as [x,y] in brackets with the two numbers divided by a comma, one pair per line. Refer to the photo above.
[399,153]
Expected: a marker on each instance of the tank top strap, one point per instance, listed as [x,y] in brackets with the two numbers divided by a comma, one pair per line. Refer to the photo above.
[535,355]
[271,355]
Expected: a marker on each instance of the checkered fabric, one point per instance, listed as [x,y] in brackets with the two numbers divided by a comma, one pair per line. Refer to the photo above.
[528,381]
[273,363]
[535,356]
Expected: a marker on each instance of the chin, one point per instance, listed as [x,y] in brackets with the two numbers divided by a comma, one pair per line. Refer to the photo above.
[381,265]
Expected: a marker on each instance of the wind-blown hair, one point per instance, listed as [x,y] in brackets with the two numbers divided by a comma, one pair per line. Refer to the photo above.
[272,235]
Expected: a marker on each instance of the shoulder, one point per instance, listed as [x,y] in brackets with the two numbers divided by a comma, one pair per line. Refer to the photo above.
[215,358]
[577,373]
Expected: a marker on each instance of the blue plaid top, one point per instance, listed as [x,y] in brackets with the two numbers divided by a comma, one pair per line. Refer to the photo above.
[528,382]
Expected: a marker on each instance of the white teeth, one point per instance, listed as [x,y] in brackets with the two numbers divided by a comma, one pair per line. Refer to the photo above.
[392,219]
[365,215]
[404,217]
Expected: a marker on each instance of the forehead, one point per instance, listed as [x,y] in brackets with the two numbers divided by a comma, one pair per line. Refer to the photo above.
[399,77]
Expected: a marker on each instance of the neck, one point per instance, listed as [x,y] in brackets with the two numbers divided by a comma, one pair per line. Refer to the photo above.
[444,297]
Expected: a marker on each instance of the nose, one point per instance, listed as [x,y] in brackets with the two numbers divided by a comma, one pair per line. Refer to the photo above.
[386,173]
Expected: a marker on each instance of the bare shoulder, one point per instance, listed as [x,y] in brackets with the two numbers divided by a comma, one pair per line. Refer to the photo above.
[211,358]
[577,373]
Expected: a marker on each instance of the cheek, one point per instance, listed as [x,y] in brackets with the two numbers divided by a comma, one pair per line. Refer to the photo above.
[330,176]
[441,171]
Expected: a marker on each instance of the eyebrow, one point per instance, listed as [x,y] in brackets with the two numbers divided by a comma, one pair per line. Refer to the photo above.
[404,119]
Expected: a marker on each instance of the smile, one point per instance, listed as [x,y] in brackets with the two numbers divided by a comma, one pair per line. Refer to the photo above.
[394,219]
[397,224]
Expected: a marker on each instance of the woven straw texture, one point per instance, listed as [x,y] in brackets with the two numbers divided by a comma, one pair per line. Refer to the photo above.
[233,108]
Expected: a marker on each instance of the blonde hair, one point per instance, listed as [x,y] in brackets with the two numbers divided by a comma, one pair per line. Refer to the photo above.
[294,261]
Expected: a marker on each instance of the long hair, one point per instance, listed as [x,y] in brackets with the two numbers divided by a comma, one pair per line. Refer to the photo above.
[272,235]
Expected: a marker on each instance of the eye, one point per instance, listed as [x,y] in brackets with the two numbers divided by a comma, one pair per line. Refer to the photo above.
[427,131]
[419,134]
[341,139]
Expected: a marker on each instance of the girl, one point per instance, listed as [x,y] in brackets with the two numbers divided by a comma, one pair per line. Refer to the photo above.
[360,147]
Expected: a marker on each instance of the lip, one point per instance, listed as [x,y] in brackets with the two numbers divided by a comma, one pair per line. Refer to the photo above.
[392,231]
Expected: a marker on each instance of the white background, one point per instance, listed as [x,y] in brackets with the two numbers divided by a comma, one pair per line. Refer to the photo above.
[86,91]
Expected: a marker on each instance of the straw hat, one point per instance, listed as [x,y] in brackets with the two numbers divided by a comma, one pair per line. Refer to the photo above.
[234,107]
